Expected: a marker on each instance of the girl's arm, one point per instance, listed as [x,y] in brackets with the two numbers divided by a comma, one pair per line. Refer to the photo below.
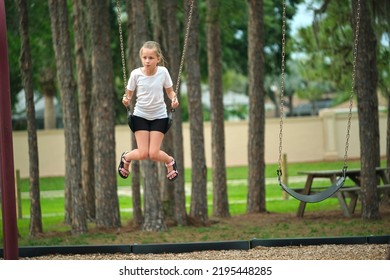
[172,95]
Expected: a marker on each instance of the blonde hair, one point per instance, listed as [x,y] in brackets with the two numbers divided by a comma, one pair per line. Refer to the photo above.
[152,45]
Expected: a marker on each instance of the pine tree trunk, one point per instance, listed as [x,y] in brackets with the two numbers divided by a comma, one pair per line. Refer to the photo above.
[50,113]
[198,209]
[158,23]
[47,81]
[256,160]
[107,202]
[153,211]
[138,34]
[27,77]
[176,131]
[154,218]
[214,59]
[366,85]
[61,41]
[83,65]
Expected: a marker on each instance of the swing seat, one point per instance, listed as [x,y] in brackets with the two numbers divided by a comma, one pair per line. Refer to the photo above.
[317,197]
[130,119]
[170,119]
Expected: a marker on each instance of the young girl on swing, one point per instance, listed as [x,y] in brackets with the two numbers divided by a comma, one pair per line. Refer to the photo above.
[150,118]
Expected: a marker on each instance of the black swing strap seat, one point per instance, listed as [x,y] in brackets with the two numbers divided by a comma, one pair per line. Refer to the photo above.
[316,197]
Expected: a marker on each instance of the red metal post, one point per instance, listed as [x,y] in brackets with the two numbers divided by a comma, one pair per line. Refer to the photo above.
[7,179]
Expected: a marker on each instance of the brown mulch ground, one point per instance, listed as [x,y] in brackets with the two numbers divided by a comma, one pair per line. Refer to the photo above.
[322,252]
[330,224]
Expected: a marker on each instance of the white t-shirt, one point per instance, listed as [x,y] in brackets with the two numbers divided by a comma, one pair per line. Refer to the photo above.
[150,103]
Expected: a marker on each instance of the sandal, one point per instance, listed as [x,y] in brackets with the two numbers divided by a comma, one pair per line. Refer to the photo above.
[173,171]
[121,167]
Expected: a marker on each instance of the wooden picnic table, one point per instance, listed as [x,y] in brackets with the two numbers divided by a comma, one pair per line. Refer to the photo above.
[351,191]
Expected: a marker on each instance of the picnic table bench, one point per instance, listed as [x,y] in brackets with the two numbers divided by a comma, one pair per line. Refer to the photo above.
[352,192]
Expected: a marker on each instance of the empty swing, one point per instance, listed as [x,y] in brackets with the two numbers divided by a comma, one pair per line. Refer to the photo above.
[316,197]
[172,110]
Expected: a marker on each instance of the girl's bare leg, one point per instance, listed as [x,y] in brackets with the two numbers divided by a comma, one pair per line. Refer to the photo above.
[140,153]
[155,152]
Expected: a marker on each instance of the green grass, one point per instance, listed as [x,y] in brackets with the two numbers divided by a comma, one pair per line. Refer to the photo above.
[232,173]
[53,208]
[237,192]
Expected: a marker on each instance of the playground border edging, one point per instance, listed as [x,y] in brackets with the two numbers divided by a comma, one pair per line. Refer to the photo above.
[36,251]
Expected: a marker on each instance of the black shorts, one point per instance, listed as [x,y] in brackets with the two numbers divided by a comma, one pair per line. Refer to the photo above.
[154,125]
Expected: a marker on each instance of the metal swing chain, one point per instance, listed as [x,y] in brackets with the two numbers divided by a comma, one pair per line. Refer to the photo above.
[282,87]
[279,171]
[118,8]
[355,52]
[184,48]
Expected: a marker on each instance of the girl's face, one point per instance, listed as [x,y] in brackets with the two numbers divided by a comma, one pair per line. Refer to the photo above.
[149,58]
